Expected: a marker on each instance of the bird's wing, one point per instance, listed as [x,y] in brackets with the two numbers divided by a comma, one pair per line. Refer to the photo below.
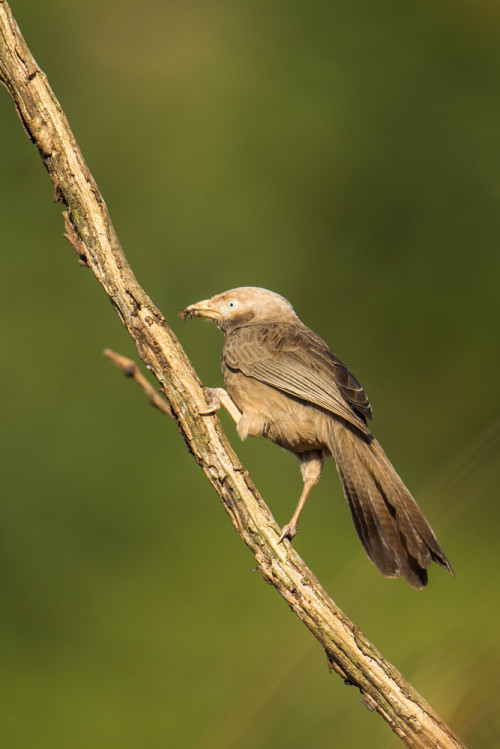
[294,360]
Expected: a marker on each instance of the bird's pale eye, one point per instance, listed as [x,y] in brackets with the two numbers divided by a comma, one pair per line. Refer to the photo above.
[232,304]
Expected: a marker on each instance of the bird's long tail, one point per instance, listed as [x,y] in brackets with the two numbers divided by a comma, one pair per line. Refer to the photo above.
[396,536]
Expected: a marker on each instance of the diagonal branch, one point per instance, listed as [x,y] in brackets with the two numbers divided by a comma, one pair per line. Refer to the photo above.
[89,229]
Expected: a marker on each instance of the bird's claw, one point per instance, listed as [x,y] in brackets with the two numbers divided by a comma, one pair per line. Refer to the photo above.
[289,531]
[215,401]
[218,398]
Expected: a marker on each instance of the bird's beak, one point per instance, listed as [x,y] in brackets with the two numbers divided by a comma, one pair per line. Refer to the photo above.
[204,308]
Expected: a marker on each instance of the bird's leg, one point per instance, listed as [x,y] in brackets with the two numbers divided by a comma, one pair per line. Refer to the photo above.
[219,397]
[250,424]
[311,466]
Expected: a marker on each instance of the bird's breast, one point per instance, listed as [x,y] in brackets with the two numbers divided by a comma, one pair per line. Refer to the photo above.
[287,421]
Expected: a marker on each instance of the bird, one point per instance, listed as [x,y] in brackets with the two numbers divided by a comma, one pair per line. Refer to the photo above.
[284,383]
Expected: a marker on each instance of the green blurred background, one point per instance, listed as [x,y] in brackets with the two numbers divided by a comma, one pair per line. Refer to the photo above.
[347,155]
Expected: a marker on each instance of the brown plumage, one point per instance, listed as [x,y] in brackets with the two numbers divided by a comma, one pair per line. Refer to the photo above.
[285,384]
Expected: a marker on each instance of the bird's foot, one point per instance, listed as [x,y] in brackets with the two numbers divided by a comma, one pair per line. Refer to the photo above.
[218,398]
[289,531]
[216,395]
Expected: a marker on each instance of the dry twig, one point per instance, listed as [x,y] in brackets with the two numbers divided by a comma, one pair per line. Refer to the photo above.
[89,229]
[130,369]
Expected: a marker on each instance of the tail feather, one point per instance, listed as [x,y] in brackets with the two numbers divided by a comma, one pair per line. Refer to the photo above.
[392,528]
[366,523]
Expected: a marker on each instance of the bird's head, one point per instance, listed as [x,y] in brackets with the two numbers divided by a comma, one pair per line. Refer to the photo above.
[236,307]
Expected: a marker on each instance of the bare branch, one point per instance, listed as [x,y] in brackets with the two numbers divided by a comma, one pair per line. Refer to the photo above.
[130,369]
[89,229]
